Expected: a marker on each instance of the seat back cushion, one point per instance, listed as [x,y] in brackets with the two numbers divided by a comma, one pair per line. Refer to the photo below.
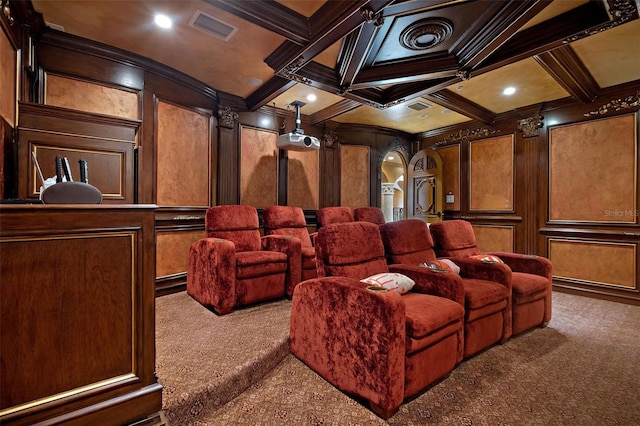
[352,249]
[328,215]
[369,214]
[407,241]
[454,238]
[235,223]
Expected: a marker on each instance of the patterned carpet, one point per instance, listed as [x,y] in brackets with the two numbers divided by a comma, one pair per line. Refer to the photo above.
[583,369]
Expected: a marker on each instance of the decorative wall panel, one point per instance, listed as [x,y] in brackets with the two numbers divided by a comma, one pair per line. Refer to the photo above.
[77,288]
[107,143]
[258,167]
[303,179]
[494,237]
[491,174]
[183,149]
[8,79]
[90,97]
[594,262]
[172,251]
[354,175]
[593,171]
[451,175]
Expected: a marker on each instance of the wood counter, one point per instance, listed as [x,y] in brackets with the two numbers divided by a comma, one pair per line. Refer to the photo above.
[77,318]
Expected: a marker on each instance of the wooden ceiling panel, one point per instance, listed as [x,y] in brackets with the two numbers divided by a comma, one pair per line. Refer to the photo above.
[533,85]
[128,24]
[601,51]
[299,92]
[403,118]
[279,43]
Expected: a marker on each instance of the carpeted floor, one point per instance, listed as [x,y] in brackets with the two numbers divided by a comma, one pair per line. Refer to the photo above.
[583,369]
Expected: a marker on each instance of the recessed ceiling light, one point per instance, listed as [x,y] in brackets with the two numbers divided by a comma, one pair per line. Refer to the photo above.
[163,21]
[423,115]
[446,111]
[311,97]
[391,157]
[254,81]
[509,91]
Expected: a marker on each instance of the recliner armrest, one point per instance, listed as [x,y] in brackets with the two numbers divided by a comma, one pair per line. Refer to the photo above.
[211,273]
[474,268]
[352,337]
[529,264]
[443,284]
[292,247]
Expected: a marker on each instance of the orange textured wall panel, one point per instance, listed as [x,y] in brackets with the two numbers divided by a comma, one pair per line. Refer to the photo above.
[491,174]
[90,97]
[354,175]
[592,171]
[303,179]
[595,262]
[172,251]
[494,238]
[258,167]
[451,174]
[183,140]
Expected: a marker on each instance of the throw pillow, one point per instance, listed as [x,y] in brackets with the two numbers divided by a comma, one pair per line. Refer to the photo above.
[391,281]
[442,265]
[487,258]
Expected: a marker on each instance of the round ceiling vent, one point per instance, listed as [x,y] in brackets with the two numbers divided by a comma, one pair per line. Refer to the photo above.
[426,33]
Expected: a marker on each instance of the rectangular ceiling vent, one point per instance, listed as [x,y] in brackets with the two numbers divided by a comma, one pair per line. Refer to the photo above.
[213,26]
[418,106]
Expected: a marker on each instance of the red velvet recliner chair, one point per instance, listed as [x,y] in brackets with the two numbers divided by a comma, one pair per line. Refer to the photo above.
[369,214]
[487,288]
[328,215]
[289,220]
[378,345]
[234,266]
[531,277]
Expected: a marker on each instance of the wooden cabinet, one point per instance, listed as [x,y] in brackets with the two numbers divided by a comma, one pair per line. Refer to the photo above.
[77,317]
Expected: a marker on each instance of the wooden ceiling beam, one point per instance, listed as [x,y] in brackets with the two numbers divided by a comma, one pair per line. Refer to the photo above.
[354,51]
[506,19]
[549,35]
[270,15]
[436,67]
[274,87]
[334,110]
[461,105]
[570,72]
[333,21]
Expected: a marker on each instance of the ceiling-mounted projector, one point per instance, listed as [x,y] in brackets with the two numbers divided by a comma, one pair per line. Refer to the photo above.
[297,140]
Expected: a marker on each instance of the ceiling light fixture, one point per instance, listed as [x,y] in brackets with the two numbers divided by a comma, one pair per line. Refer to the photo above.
[163,21]
[509,91]
[311,97]
[390,158]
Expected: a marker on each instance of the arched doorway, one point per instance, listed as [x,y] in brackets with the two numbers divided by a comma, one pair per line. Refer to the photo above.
[393,181]
[424,195]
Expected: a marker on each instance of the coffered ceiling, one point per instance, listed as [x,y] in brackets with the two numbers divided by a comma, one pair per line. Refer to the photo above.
[413,65]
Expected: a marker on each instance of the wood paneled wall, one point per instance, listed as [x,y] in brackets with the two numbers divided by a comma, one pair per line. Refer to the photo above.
[567,189]
[192,147]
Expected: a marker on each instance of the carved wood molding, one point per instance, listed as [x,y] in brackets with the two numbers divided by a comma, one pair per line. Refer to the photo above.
[617,105]
[621,10]
[329,137]
[228,117]
[466,135]
[529,126]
